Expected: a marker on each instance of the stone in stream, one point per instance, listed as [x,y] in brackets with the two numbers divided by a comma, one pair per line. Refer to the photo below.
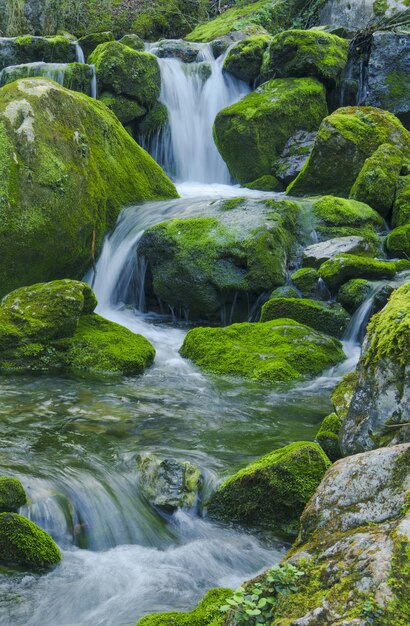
[398,242]
[89,42]
[12,494]
[244,60]
[28,49]
[207,613]
[318,253]
[167,483]
[379,411]
[342,268]
[25,544]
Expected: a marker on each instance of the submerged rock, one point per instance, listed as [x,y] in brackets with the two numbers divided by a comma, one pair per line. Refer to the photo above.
[273,491]
[379,413]
[51,327]
[12,494]
[167,483]
[251,134]
[67,167]
[272,352]
[24,543]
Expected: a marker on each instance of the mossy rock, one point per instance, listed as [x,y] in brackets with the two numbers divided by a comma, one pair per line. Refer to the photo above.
[67,168]
[328,318]
[265,183]
[207,613]
[287,291]
[377,181]
[125,109]
[251,134]
[272,491]
[354,293]
[318,253]
[74,76]
[339,217]
[401,206]
[343,393]
[51,327]
[345,140]
[155,120]
[398,242]
[24,543]
[328,436]
[244,60]
[88,43]
[12,494]
[300,53]
[343,268]
[29,49]
[272,352]
[306,280]
[133,41]
[125,71]
[200,266]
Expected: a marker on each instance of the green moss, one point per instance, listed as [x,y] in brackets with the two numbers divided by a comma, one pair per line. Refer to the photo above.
[28,49]
[12,494]
[380,7]
[244,60]
[347,138]
[275,351]
[207,613]
[300,53]
[63,181]
[23,543]
[306,280]
[89,42]
[352,294]
[377,181]
[398,242]
[287,291]
[76,76]
[398,608]
[273,491]
[265,183]
[337,217]
[401,207]
[251,134]
[154,121]
[125,109]
[337,271]
[328,436]
[133,41]
[328,318]
[125,71]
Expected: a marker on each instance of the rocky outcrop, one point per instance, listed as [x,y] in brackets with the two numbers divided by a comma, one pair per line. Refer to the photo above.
[355,15]
[379,412]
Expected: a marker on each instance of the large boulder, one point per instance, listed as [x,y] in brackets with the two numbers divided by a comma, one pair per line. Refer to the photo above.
[272,491]
[89,42]
[299,53]
[271,352]
[12,494]
[51,327]
[67,167]
[27,49]
[345,140]
[25,544]
[204,266]
[355,15]
[251,134]
[244,60]
[379,412]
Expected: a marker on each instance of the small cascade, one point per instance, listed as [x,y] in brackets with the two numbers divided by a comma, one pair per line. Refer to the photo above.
[194,93]
[93,85]
[79,53]
[60,73]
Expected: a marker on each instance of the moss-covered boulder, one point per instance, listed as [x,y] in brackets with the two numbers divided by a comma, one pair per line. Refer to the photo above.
[379,412]
[327,318]
[272,352]
[51,327]
[328,436]
[272,491]
[401,206]
[67,167]
[337,271]
[127,72]
[12,494]
[24,543]
[306,280]
[28,49]
[377,181]
[318,253]
[336,217]
[207,613]
[89,42]
[345,140]
[343,393]
[125,109]
[251,134]
[133,41]
[204,266]
[244,60]
[398,242]
[265,183]
[352,294]
[299,53]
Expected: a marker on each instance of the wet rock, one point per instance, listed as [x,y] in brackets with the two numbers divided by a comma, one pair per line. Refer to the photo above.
[318,253]
[307,282]
[398,242]
[337,271]
[328,436]
[177,49]
[294,156]
[24,543]
[88,43]
[352,294]
[167,483]
[27,49]
[356,14]
[12,494]
[244,61]
[133,41]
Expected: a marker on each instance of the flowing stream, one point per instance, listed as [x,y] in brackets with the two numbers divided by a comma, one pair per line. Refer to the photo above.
[73,441]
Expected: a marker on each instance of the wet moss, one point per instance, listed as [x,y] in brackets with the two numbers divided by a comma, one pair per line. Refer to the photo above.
[244,60]
[342,268]
[12,494]
[207,613]
[328,436]
[306,280]
[339,217]
[125,109]
[352,294]
[401,207]
[398,242]
[89,42]
[23,543]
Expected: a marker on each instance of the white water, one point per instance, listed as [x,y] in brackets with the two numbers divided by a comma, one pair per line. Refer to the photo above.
[186,149]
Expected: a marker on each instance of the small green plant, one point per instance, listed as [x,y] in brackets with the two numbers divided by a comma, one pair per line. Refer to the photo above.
[371,611]
[254,604]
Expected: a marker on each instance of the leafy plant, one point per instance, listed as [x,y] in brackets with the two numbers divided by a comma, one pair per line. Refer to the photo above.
[371,611]
[254,604]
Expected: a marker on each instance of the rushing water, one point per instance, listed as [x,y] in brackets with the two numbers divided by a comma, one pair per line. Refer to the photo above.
[73,441]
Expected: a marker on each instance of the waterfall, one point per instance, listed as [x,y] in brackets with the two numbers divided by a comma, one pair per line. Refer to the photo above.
[194,93]
[80,58]
[58,72]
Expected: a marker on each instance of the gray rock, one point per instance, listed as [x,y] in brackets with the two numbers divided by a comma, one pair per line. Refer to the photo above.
[167,483]
[294,156]
[388,84]
[318,253]
[17,50]
[354,14]
[177,49]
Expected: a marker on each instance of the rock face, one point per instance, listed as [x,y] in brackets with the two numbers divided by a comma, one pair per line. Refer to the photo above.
[203,266]
[251,134]
[67,167]
[51,327]
[272,352]
[381,400]
[24,543]
[355,15]
[388,83]
[272,491]
[347,138]
[167,483]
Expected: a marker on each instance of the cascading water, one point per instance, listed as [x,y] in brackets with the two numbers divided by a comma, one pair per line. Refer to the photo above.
[193,94]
